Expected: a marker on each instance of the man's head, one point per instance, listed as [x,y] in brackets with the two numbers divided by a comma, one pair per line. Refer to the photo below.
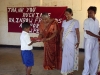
[91,11]
[26,26]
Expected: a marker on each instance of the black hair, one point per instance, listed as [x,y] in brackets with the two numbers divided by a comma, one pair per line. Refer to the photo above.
[70,11]
[93,8]
[25,25]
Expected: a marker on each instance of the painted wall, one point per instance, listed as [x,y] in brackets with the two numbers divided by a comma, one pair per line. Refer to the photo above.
[79,9]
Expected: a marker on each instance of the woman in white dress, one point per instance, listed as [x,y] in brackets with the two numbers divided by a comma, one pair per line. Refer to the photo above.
[70,37]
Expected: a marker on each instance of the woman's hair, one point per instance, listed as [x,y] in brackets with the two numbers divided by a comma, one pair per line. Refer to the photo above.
[25,25]
[43,14]
[93,8]
[69,10]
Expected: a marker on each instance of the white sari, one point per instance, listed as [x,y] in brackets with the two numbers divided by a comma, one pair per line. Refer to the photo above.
[70,55]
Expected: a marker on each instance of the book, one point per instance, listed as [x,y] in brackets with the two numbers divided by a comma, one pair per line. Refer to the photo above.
[35,39]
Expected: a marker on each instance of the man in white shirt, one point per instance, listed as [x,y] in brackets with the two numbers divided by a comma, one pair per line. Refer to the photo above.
[91,28]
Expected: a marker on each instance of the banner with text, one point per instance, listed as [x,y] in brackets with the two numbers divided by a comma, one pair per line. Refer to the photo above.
[18,15]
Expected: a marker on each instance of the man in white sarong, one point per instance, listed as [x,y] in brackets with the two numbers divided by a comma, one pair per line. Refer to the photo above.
[91,28]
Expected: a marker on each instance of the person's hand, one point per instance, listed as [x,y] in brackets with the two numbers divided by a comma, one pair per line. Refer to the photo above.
[77,45]
[44,40]
[99,37]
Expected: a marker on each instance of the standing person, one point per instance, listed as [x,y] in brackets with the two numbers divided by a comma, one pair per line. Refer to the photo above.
[49,33]
[91,28]
[26,47]
[70,36]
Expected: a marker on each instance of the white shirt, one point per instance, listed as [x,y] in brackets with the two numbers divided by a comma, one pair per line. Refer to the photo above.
[92,26]
[25,40]
[65,25]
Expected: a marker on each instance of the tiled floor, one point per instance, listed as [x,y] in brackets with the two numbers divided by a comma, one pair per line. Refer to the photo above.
[11,64]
